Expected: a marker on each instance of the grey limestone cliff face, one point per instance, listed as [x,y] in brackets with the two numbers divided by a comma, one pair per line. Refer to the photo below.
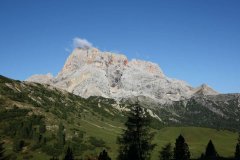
[90,72]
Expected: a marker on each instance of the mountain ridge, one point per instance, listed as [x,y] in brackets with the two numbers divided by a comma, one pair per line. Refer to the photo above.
[220,111]
[95,123]
[91,72]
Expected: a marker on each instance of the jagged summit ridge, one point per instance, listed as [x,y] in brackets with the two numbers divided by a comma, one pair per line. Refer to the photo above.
[204,89]
[90,72]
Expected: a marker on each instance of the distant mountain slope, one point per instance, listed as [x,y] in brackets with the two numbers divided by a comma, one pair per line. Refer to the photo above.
[220,111]
[90,124]
[90,72]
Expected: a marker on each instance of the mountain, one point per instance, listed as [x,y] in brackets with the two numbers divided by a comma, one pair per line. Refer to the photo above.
[90,72]
[220,111]
[92,124]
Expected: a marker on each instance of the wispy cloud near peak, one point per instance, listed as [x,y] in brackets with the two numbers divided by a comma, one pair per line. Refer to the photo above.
[81,43]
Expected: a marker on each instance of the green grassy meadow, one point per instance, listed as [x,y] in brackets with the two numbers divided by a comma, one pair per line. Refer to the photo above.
[196,137]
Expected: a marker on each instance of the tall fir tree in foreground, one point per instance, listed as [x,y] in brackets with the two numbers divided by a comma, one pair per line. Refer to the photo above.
[237,150]
[211,153]
[136,141]
[166,152]
[181,150]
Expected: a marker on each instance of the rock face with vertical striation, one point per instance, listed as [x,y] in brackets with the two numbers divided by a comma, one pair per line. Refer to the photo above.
[90,72]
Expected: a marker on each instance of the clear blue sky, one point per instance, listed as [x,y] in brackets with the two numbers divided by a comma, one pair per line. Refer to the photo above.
[197,41]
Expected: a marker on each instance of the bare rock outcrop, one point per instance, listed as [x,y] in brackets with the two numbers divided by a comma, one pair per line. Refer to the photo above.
[90,72]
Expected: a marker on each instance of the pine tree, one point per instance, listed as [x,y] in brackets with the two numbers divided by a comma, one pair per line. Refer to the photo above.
[61,136]
[166,152]
[42,128]
[237,151]
[69,154]
[103,156]
[210,153]
[135,142]
[181,150]
[18,145]
[26,130]
[2,151]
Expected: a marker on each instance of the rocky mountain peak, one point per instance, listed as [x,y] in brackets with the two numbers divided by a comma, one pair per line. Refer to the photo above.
[41,78]
[82,56]
[204,89]
[91,72]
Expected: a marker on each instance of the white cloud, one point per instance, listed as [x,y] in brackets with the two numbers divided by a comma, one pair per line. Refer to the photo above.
[81,43]
[67,50]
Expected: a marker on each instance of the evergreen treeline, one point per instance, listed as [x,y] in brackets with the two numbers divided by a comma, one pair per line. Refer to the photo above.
[135,143]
